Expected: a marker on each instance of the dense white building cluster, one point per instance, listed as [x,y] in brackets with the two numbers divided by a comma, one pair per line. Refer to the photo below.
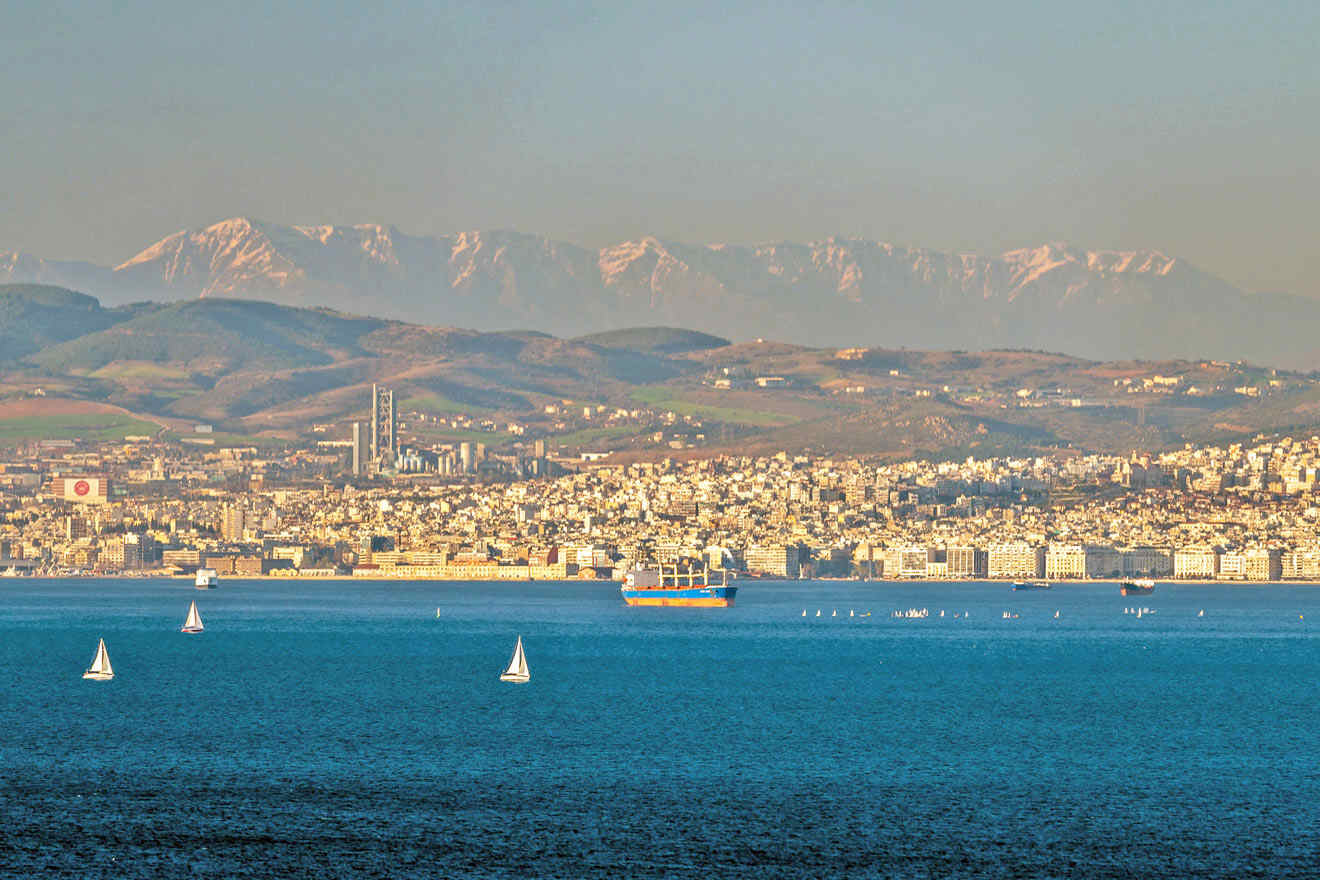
[1242,511]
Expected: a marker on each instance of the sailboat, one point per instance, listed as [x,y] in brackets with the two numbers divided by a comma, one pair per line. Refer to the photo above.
[194,622]
[1056,615]
[1201,613]
[100,670]
[517,670]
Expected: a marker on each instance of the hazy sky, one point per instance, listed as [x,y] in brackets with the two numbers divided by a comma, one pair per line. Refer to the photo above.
[1193,127]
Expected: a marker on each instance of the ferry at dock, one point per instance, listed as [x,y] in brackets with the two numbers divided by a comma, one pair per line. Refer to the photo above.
[667,585]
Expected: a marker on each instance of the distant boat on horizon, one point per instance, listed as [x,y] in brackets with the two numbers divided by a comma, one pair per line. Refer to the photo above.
[517,669]
[194,622]
[100,670]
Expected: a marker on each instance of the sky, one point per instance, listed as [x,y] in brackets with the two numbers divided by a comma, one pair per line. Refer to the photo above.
[1190,127]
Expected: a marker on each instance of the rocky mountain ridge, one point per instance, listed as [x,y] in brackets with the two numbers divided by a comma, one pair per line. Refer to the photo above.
[834,291]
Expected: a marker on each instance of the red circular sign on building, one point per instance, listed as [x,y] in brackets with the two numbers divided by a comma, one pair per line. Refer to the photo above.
[82,487]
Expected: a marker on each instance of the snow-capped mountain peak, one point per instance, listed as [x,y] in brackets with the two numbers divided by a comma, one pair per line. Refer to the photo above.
[834,290]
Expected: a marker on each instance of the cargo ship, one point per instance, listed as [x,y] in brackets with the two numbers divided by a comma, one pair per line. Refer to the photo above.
[666,585]
[1138,587]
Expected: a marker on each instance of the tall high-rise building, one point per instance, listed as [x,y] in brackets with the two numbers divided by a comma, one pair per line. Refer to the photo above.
[465,457]
[233,522]
[360,450]
[384,442]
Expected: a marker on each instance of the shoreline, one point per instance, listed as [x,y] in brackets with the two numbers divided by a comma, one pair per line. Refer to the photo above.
[1061,584]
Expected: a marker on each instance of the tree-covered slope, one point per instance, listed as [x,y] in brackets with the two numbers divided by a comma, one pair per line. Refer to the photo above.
[34,316]
[217,335]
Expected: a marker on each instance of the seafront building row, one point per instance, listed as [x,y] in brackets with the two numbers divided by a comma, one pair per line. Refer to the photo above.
[1238,512]
[1019,559]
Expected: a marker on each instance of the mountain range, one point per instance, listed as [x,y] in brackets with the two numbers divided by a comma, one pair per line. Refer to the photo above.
[831,292]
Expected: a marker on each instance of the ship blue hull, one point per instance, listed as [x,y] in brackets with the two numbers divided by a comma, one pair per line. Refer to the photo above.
[695,597]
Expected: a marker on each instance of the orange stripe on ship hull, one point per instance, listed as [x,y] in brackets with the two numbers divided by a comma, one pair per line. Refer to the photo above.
[711,602]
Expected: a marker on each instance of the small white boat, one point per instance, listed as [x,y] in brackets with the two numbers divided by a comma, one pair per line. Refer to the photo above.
[1201,613]
[1056,615]
[850,613]
[437,614]
[941,612]
[834,613]
[194,622]
[517,669]
[818,612]
[100,670]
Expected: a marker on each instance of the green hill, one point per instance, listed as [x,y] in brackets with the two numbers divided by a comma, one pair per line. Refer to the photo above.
[654,340]
[217,336]
[34,316]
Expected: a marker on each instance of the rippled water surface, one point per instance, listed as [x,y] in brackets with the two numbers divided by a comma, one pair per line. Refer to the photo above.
[342,729]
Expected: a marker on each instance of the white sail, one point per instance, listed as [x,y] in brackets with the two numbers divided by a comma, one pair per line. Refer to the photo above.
[100,668]
[517,670]
[102,661]
[194,621]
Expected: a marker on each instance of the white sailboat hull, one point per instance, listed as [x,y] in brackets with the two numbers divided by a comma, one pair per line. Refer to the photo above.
[100,670]
[517,671]
[193,622]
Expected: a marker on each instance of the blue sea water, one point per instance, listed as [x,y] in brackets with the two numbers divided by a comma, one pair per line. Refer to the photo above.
[341,729]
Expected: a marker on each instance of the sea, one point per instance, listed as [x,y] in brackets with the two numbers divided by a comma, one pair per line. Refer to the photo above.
[359,729]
